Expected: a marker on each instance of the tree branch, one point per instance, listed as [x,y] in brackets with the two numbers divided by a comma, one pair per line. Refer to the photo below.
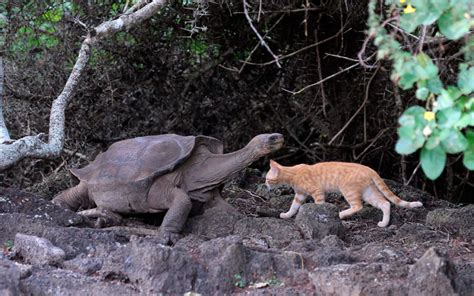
[4,135]
[262,42]
[34,146]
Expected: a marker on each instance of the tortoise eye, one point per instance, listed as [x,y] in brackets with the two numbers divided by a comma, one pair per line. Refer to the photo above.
[273,138]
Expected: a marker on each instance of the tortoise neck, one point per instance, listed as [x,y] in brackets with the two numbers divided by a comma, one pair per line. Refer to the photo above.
[222,167]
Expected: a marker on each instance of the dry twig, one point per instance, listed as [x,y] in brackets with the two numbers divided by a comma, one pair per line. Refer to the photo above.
[323,80]
[366,98]
[262,42]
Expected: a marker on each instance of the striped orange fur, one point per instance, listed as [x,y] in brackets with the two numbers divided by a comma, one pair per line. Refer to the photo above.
[356,182]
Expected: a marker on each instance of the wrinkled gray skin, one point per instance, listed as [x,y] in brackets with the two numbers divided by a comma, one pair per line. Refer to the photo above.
[160,173]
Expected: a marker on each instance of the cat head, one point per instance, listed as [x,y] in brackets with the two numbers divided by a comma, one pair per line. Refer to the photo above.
[272,177]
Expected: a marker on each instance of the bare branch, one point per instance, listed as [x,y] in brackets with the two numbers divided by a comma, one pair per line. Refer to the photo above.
[256,46]
[320,75]
[262,42]
[322,80]
[299,50]
[4,135]
[33,146]
[366,98]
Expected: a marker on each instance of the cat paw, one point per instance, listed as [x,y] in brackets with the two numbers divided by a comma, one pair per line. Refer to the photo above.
[415,204]
[382,224]
[284,216]
[341,215]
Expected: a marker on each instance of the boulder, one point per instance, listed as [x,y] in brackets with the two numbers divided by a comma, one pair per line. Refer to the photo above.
[51,281]
[275,231]
[37,250]
[9,278]
[213,223]
[374,279]
[432,275]
[456,221]
[14,201]
[319,220]
[207,269]
[281,202]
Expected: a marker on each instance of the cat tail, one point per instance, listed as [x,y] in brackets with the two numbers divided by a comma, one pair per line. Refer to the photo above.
[383,188]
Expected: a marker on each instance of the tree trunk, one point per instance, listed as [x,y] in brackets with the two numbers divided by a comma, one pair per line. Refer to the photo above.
[11,152]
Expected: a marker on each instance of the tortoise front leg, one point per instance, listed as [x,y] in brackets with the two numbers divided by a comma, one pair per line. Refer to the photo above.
[73,198]
[175,217]
[105,218]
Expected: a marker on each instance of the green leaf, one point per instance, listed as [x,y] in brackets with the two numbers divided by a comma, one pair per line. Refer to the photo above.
[427,12]
[405,70]
[412,116]
[469,104]
[466,120]
[468,159]
[54,15]
[422,93]
[453,24]
[425,69]
[433,140]
[409,22]
[448,117]
[455,142]
[405,146]
[445,100]
[406,132]
[432,162]
[435,85]
[411,130]
[466,79]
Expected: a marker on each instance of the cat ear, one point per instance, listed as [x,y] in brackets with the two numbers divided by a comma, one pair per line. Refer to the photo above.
[273,164]
[274,167]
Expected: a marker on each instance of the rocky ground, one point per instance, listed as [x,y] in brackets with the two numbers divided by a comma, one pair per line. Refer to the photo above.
[425,251]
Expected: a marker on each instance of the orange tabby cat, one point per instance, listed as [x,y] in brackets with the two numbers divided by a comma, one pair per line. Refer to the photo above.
[356,182]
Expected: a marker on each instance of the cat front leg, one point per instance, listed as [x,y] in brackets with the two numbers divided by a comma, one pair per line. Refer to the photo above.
[354,198]
[295,205]
[318,196]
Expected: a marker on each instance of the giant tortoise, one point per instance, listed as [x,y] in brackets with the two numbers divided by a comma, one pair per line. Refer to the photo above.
[160,173]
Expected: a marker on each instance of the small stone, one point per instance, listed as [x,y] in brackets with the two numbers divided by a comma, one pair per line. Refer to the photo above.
[10,276]
[84,265]
[38,250]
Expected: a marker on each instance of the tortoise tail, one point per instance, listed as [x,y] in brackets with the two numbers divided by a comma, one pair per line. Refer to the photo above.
[73,198]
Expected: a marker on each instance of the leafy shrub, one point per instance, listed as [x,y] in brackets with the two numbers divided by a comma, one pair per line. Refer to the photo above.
[444,124]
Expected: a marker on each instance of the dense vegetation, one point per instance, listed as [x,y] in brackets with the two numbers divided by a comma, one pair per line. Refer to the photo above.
[198,68]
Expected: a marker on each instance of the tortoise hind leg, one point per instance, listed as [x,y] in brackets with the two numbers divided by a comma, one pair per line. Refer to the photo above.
[105,218]
[73,198]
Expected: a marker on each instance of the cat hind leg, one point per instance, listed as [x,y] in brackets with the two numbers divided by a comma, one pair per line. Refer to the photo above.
[373,197]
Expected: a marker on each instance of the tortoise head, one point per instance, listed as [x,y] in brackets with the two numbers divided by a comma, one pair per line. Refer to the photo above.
[266,143]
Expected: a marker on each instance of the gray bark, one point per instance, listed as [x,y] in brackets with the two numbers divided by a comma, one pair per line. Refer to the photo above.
[34,146]
[4,135]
